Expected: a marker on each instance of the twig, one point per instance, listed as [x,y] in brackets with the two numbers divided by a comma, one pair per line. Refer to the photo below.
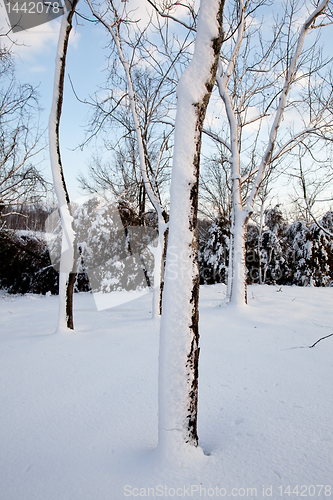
[162,14]
[330,335]
[308,346]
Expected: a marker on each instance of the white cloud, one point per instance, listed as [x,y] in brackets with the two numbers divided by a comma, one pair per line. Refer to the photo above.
[33,41]
[29,44]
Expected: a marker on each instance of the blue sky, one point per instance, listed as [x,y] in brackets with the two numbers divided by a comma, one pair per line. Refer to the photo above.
[34,58]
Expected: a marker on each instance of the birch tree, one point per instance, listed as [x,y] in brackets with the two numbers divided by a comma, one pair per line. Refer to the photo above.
[114,22]
[261,79]
[179,336]
[67,273]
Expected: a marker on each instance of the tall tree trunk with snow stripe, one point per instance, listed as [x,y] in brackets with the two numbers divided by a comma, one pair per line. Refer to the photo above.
[67,262]
[179,336]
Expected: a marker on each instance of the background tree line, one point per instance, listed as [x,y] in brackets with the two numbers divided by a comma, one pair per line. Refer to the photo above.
[283,252]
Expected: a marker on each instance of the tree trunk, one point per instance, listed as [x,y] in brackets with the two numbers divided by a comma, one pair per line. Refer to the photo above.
[229,282]
[241,214]
[163,262]
[261,224]
[67,262]
[179,338]
[238,255]
[158,255]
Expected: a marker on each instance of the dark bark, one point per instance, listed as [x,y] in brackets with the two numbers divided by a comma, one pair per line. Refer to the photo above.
[165,246]
[192,364]
[69,300]
[72,276]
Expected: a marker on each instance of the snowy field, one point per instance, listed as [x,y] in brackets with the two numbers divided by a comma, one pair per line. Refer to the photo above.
[79,411]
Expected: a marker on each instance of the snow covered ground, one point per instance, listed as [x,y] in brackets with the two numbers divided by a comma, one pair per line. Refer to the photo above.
[79,411]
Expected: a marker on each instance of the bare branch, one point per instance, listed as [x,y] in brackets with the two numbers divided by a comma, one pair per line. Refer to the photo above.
[169,16]
[282,102]
[315,220]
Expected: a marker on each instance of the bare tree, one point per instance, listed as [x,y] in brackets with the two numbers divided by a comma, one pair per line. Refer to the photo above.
[20,141]
[117,169]
[313,181]
[67,272]
[146,95]
[260,83]
[179,338]
[215,185]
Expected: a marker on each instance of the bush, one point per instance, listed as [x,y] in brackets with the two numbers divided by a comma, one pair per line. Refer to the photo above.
[25,265]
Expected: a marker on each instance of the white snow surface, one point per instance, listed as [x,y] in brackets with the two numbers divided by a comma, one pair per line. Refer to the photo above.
[79,409]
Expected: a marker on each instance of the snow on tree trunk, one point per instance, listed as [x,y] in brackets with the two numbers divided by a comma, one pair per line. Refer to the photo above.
[231,245]
[236,278]
[261,223]
[238,295]
[67,276]
[179,336]
[157,254]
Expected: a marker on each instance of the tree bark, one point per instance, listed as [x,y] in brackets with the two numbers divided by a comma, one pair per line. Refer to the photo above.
[67,262]
[238,294]
[179,338]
